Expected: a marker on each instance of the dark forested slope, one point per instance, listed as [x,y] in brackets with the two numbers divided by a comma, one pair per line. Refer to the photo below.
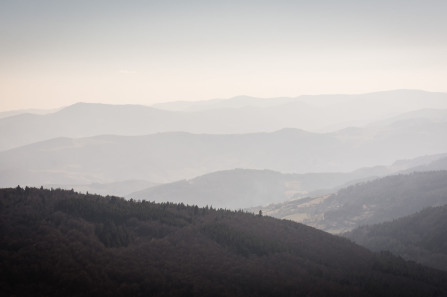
[60,243]
[421,237]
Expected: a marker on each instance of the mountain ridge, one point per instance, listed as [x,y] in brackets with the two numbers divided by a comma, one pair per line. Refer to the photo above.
[91,119]
[180,155]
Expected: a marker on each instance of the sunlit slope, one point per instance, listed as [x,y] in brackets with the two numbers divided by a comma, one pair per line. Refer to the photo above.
[371,202]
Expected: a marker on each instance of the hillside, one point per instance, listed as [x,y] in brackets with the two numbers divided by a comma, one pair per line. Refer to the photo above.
[59,243]
[421,237]
[365,203]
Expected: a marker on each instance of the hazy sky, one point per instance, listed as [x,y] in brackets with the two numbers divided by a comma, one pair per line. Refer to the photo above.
[55,53]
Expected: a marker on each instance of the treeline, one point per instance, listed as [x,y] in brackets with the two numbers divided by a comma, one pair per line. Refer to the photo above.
[61,243]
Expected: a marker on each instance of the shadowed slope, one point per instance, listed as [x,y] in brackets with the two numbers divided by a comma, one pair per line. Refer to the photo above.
[61,243]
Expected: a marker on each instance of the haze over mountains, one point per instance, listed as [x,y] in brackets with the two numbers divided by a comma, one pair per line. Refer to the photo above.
[245,188]
[325,113]
[173,156]
[127,148]
[10,113]
[396,101]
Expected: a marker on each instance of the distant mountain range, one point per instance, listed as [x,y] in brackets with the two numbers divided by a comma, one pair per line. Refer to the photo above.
[367,203]
[434,115]
[123,149]
[395,101]
[283,186]
[10,113]
[244,188]
[240,115]
[230,103]
[168,157]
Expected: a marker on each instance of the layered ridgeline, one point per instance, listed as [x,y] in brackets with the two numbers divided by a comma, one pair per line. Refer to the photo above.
[395,101]
[168,157]
[244,188]
[421,237]
[65,148]
[59,243]
[366,203]
[230,116]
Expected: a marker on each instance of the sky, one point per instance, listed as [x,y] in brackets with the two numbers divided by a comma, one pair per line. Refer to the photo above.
[54,53]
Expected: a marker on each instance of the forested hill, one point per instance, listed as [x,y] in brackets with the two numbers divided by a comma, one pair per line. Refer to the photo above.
[421,237]
[60,243]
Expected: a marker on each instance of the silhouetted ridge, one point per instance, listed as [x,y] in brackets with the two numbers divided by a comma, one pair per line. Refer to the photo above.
[60,243]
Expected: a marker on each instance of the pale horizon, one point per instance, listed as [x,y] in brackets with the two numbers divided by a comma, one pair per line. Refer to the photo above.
[57,53]
[155,102]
